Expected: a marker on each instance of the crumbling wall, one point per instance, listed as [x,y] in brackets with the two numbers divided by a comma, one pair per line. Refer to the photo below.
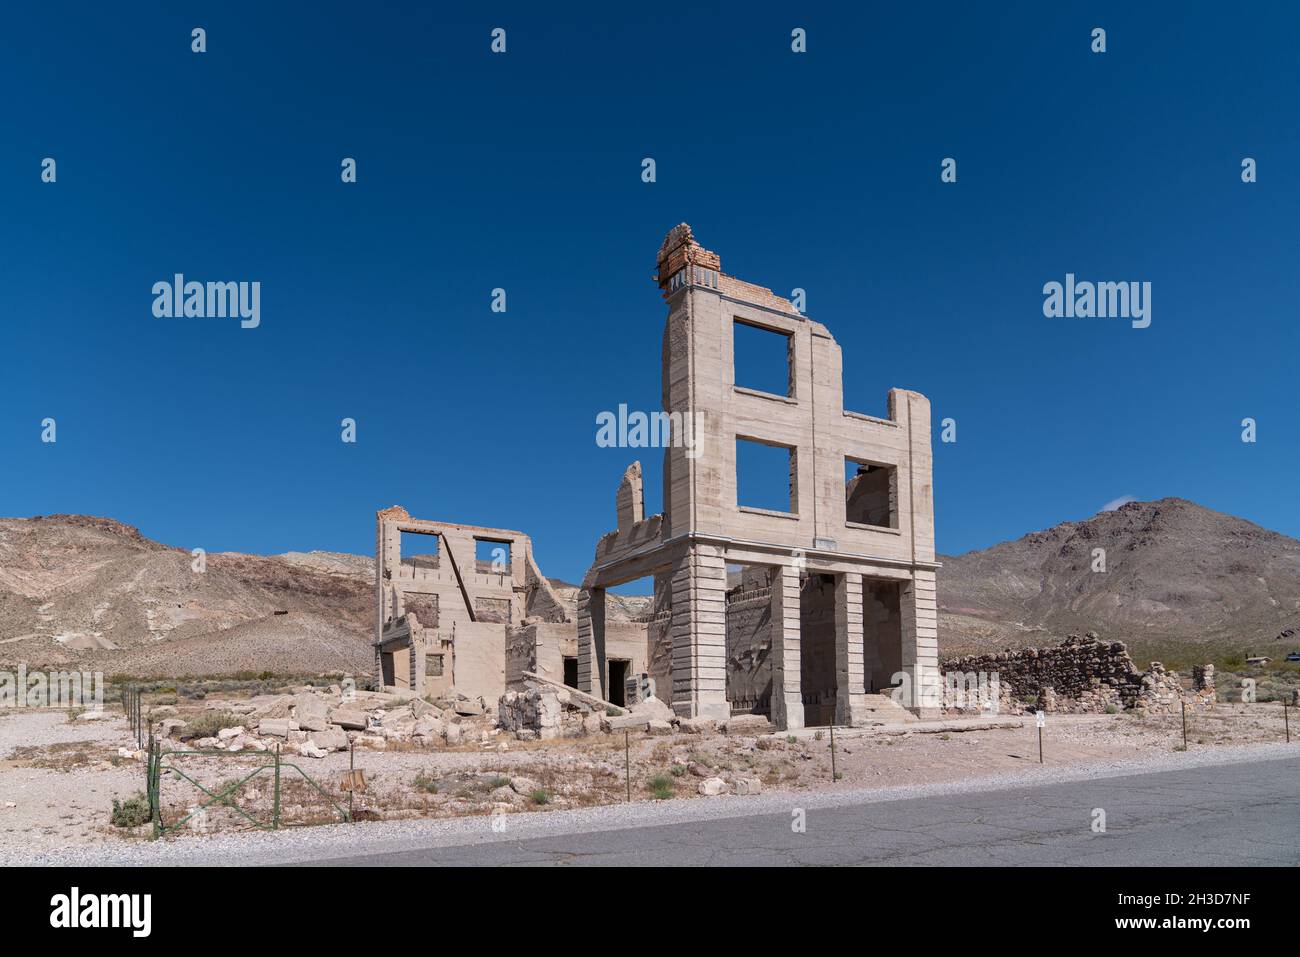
[1081,675]
[749,644]
[540,599]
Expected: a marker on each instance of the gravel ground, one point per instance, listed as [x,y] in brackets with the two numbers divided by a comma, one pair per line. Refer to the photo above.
[69,801]
[61,776]
[324,843]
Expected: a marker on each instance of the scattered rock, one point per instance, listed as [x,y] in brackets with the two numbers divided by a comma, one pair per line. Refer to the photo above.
[747,724]
[697,725]
[349,719]
[279,727]
[712,787]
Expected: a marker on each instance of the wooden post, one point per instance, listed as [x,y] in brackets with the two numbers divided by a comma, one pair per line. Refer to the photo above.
[627,764]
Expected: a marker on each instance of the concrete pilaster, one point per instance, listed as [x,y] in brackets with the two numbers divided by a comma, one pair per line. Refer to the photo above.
[787,700]
[591,641]
[921,643]
[850,680]
[699,634]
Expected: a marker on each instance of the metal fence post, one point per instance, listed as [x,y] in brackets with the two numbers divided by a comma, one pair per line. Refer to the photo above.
[627,764]
[275,807]
[1184,703]
[834,773]
[1286,721]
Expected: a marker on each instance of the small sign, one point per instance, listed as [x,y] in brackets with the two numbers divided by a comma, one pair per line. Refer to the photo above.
[1040,719]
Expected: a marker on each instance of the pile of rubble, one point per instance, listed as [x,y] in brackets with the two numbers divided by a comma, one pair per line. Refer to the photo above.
[313,723]
[544,712]
[1083,675]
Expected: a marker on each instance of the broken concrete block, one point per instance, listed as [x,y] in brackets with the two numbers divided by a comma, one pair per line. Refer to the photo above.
[308,750]
[313,722]
[228,734]
[749,786]
[420,708]
[659,727]
[653,708]
[309,706]
[467,707]
[275,708]
[349,719]
[747,724]
[712,787]
[697,725]
[629,722]
[274,726]
[333,739]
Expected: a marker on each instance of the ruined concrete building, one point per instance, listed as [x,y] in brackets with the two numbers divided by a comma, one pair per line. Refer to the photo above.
[464,607]
[831,596]
[447,597]
[802,611]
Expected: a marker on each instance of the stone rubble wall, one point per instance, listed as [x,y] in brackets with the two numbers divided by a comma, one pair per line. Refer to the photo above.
[1082,675]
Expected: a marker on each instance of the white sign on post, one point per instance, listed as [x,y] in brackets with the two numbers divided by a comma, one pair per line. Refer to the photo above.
[1041,719]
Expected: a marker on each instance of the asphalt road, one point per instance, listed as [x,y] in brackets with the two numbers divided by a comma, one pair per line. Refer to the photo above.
[1233,814]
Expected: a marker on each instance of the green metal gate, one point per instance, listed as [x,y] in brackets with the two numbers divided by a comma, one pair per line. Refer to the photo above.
[159,760]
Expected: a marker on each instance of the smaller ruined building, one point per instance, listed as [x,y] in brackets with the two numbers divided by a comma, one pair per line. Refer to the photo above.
[465,609]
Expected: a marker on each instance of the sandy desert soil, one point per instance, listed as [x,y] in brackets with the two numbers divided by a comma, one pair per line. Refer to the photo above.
[59,775]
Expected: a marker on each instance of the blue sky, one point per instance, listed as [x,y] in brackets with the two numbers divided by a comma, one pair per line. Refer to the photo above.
[522,171]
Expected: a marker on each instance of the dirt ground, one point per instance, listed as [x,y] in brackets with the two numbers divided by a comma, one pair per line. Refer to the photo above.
[59,775]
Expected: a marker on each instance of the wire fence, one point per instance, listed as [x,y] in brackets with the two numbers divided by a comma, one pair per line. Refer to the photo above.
[240,796]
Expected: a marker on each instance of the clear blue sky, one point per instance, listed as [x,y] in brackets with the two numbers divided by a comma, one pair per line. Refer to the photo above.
[522,171]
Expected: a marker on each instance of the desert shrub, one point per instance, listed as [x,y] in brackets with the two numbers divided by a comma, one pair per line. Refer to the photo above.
[207,724]
[541,796]
[132,812]
[661,786]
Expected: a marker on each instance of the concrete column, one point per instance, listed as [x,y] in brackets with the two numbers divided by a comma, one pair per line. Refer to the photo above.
[591,641]
[850,680]
[699,633]
[787,699]
[921,644]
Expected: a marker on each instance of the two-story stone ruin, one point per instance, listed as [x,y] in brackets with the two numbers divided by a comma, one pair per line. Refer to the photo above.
[802,610]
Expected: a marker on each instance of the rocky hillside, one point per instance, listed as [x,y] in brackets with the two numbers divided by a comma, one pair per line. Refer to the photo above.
[1175,573]
[97,592]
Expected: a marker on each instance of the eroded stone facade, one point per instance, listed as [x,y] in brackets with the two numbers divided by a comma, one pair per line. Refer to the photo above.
[815,654]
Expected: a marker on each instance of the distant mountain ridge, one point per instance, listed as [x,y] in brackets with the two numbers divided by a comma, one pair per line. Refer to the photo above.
[1174,571]
[98,593]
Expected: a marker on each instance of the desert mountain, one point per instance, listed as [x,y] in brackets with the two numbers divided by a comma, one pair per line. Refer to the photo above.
[98,593]
[1174,572]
